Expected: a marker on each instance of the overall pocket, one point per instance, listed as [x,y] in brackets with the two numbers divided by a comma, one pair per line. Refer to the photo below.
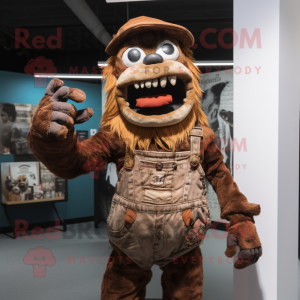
[202,213]
[197,222]
[157,174]
[120,220]
[157,195]
[190,238]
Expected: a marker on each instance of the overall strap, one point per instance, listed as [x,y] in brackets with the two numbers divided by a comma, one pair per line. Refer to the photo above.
[196,136]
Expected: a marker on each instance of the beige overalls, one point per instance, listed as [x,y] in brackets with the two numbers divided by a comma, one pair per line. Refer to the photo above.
[161,188]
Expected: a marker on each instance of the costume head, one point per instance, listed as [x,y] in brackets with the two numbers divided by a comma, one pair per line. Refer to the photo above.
[152,84]
[12,185]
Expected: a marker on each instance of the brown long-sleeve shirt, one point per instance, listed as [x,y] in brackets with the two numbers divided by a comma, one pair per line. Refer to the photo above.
[69,159]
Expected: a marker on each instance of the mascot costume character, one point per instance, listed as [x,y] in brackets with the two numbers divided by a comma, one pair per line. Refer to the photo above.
[154,130]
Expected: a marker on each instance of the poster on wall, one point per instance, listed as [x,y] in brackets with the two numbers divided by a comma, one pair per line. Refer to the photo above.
[217,104]
[14,127]
[30,181]
[82,135]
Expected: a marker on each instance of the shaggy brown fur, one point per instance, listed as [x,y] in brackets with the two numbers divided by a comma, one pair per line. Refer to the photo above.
[181,279]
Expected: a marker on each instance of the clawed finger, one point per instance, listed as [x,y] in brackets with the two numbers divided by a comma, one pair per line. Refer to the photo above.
[255,256]
[62,118]
[83,115]
[62,95]
[241,264]
[77,95]
[248,257]
[232,244]
[53,86]
[65,93]
[59,93]
[57,130]
[64,107]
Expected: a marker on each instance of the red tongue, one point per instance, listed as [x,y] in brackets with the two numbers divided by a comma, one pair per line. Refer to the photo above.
[154,101]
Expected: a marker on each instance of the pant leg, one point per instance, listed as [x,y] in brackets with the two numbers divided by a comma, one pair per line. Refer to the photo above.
[124,279]
[183,278]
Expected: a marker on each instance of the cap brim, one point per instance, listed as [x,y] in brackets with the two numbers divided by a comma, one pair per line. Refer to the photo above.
[182,34]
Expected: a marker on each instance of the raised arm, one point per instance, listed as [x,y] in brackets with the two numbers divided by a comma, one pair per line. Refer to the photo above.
[52,137]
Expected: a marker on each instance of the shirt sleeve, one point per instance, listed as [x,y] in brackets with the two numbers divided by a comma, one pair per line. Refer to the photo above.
[232,202]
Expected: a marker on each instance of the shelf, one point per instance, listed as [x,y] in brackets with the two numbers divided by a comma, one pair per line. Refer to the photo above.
[34,201]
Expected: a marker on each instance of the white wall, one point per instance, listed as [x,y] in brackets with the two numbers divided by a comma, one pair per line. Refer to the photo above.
[266,113]
[288,181]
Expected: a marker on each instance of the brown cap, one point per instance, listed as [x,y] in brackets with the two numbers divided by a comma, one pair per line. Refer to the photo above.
[142,24]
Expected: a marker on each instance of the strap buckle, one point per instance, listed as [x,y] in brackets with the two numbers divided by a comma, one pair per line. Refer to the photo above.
[194,160]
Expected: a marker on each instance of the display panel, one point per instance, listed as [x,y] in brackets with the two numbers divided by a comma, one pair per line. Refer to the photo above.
[217,104]
[27,182]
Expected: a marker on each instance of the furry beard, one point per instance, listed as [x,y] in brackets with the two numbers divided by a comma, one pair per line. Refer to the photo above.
[163,137]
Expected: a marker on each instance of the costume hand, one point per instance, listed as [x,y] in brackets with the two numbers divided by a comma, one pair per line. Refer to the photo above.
[54,117]
[244,235]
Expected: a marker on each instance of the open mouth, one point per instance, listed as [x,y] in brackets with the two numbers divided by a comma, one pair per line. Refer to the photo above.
[157,96]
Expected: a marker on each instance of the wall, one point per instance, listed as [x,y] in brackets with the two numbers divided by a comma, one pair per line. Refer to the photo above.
[266,107]
[20,88]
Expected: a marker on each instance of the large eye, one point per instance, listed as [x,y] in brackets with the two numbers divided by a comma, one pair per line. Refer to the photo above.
[133,56]
[167,50]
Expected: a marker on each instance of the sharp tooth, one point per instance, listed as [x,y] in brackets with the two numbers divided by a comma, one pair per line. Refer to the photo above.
[155,82]
[136,85]
[142,84]
[172,79]
[148,84]
[127,103]
[184,100]
[163,81]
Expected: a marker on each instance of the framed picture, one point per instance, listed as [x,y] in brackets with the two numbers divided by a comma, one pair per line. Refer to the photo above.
[28,182]
[217,104]
[14,127]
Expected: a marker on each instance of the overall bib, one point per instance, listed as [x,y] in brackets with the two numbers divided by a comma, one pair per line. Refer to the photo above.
[163,190]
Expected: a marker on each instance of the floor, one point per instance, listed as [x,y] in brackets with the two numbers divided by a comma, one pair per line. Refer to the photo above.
[75,263]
